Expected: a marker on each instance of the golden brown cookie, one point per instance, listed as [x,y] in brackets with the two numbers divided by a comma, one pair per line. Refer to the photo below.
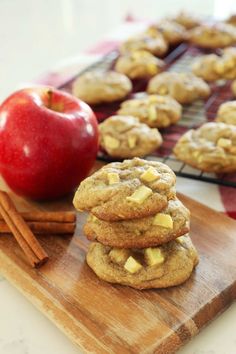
[186,20]
[173,32]
[166,225]
[219,35]
[226,64]
[154,110]
[205,67]
[210,148]
[183,87]
[227,113]
[213,67]
[159,267]
[139,64]
[151,41]
[126,190]
[126,137]
[100,87]
[231,20]
[233,87]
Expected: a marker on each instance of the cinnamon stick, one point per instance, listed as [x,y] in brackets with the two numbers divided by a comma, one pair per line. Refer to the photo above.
[24,236]
[36,227]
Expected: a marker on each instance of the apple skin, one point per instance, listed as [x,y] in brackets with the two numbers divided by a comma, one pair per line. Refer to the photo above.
[48,142]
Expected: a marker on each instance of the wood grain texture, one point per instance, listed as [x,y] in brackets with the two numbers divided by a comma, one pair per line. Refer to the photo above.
[104,318]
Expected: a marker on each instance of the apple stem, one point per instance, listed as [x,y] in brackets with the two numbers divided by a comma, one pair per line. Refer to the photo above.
[50,93]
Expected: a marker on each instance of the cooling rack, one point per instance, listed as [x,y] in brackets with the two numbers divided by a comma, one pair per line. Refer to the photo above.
[199,112]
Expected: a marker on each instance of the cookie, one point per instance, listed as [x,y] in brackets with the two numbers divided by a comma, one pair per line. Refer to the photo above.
[233,87]
[210,148]
[219,35]
[101,87]
[173,32]
[226,64]
[160,267]
[126,137]
[227,113]
[186,20]
[213,67]
[183,87]
[126,190]
[205,67]
[168,224]
[150,40]
[139,64]
[154,110]
[231,20]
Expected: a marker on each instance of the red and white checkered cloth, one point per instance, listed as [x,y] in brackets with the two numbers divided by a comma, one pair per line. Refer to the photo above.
[218,197]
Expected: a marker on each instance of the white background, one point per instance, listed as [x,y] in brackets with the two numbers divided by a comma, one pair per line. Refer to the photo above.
[34,35]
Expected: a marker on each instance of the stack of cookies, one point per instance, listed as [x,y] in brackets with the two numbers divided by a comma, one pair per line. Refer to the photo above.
[138,226]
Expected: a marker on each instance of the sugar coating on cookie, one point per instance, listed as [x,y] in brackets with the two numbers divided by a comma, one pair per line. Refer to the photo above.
[151,41]
[164,226]
[96,87]
[227,113]
[219,35]
[173,32]
[126,137]
[183,87]
[161,267]
[132,196]
[139,64]
[210,148]
[155,110]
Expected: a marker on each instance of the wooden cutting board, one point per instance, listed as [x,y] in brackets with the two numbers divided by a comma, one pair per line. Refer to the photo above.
[102,318]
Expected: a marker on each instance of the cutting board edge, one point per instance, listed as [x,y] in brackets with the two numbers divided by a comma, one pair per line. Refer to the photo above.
[207,322]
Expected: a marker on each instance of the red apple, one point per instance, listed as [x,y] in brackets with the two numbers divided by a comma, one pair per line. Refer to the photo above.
[48,142]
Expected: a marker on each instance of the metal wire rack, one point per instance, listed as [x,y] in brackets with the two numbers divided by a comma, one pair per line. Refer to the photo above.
[179,60]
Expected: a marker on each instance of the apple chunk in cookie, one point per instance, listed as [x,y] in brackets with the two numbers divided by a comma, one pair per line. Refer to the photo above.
[126,137]
[132,196]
